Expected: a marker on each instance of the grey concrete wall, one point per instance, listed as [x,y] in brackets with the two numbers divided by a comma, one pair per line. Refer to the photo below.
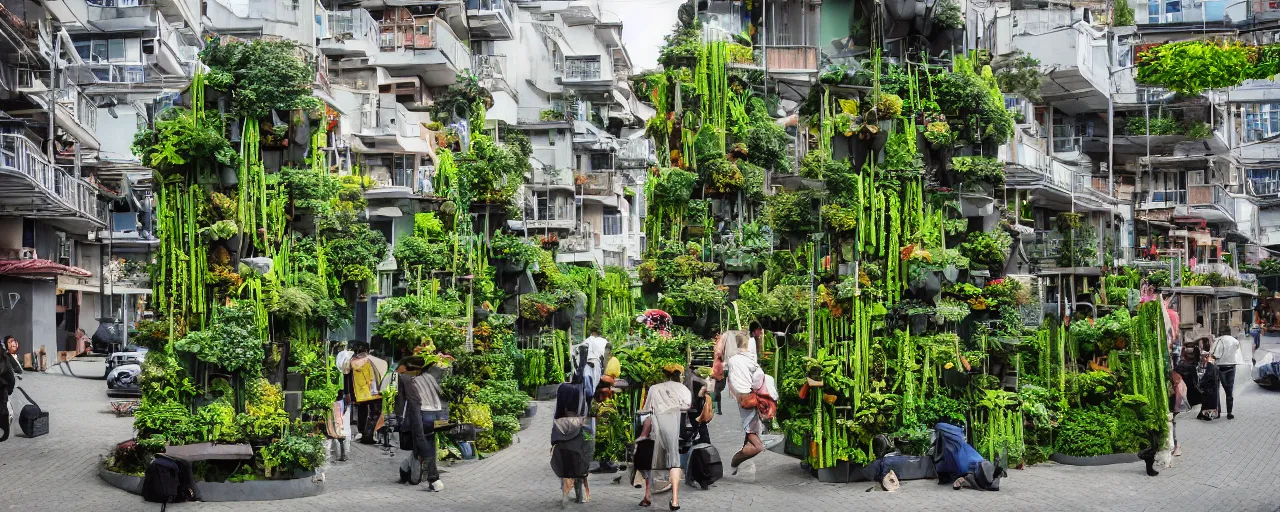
[33,319]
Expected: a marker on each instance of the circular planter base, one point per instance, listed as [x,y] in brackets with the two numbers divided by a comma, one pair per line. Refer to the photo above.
[1097,460]
[254,490]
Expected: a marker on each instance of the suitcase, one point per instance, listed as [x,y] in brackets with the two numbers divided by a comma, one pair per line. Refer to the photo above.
[33,421]
[705,467]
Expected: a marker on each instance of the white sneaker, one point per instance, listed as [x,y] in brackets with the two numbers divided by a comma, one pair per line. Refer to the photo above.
[436,486]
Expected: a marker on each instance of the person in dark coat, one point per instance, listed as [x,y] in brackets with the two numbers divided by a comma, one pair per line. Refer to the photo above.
[1208,382]
[9,370]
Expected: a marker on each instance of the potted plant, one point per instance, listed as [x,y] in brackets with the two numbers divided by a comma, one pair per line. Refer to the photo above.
[550,241]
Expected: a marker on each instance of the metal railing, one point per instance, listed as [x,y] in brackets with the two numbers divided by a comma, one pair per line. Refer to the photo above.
[1211,195]
[493,5]
[1265,187]
[355,24]
[119,3]
[581,68]
[598,183]
[406,35]
[632,154]
[1042,245]
[1026,155]
[120,73]
[20,155]
[83,109]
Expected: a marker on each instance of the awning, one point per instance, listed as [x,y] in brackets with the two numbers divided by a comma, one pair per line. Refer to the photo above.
[39,268]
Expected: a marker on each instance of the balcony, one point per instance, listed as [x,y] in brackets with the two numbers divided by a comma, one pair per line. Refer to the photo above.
[791,59]
[598,184]
[122,15]
[255,17]
[31,186]
[1212,202]
[394,119]
[1053,183]
[491,20]
[78,115]
[1269,188]
[549,217]
[421,46]
[352,33]
[1042,247]
[1075,58]
[585,73]
[633,154]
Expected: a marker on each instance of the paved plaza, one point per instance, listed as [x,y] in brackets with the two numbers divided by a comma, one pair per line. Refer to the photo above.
[1227,466]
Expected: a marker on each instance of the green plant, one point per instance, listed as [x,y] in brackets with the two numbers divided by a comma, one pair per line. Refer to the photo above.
[980,169]
[1189,67]
[293,452]
[261,75]
[233,341]
[414,252]
[889,106]
[182,140]
[947,14]
[1085,433]
[986,248]
[792,212]
[1019,74]
[1122,14]
[1158,125]
[1199,131]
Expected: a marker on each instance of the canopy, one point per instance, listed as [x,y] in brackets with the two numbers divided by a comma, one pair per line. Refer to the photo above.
[40,268]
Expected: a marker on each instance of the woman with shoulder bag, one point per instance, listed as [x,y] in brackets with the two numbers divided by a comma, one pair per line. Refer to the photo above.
[666,402]
[421,407]
[745,377]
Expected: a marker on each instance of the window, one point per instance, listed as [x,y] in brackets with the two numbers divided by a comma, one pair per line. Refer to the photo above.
[601,161]
[612,224]
[115,49]
[543,202]
[82,48]
[99,50]
[403,167]
[551,137]
[1169,187]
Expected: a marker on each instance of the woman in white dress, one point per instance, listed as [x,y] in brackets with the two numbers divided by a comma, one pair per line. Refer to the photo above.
[665,402]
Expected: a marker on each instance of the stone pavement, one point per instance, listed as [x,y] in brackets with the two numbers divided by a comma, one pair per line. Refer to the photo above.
[1227,465]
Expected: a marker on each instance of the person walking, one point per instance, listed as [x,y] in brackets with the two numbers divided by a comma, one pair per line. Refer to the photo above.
[1226,355]
[9,370]
[1207,375]
[745,376]
[592,364]
[419,398]
[366,382]
[665,402]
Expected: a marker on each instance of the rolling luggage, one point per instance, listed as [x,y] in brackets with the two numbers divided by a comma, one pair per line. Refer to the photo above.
[704,465]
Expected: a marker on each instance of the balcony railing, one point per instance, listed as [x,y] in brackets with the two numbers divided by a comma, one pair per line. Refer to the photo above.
[792,58]
[1026,155]
[120,73]
[83,109]
[490,66]
[581,68]
[632,154]
[1042,246]
[1211,195]
[355,24]
[395,120]
[1265,187]
[493,5]
[119,3]
[598,184]
[20,155]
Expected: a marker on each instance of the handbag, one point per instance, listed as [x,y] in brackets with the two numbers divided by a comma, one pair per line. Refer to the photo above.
[766,406]
[748,400]
[437,416]
[708,411]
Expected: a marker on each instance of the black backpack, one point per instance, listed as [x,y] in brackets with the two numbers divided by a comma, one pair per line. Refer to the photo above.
[168,480]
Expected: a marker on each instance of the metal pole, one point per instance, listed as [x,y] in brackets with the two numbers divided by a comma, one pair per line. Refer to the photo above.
[53,94]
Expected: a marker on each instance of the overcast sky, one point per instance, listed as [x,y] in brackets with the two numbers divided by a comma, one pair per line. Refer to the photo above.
[644,24]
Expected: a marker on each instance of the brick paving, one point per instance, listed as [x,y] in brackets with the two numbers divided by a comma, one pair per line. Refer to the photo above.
[1227,465]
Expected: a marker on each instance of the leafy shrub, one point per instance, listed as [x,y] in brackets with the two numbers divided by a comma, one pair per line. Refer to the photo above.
[1085,433]
[232,341]
[261,75]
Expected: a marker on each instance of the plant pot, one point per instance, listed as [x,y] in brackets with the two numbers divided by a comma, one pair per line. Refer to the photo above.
[695,231]
[837,474]
[510,267]
[919,323]
[467,450]
[480,314]
[951,273]
[878,141]
[954,378]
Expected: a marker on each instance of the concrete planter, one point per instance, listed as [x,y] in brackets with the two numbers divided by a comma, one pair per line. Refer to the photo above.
[256,490]
[1097,460]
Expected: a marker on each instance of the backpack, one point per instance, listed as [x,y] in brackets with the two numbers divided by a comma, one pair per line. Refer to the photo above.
[168,480]
[705,466]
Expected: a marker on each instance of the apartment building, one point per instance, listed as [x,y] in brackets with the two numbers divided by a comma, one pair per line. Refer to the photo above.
[52,208]
[562,78]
